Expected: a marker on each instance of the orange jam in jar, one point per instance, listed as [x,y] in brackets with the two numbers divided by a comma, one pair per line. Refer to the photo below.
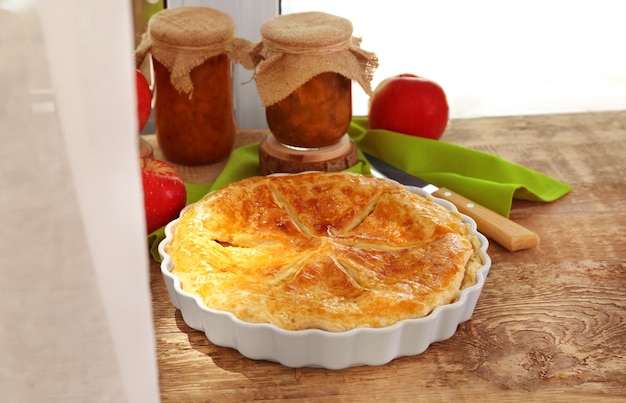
[193,105]
[316,114]
[305,66]
[197,128]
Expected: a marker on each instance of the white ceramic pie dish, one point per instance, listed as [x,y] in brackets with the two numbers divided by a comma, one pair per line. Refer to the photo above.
[318,348]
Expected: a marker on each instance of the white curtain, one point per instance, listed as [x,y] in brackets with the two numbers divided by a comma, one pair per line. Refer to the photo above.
[75,318]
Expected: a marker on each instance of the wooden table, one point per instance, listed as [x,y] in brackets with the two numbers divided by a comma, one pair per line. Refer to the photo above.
[550,324]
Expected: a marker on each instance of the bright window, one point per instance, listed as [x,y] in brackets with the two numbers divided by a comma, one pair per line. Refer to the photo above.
[491,57]
[496,57]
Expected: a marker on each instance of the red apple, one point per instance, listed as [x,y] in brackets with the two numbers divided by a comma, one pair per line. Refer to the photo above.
[409,104]
[144,99]
[163,192]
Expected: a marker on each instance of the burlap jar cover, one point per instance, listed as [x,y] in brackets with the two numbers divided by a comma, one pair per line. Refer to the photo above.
[297,47]
[182,38]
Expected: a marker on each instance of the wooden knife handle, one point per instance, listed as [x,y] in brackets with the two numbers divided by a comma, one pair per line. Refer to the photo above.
[493,225]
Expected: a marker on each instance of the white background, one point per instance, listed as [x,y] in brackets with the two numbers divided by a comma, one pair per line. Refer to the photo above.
[492,57]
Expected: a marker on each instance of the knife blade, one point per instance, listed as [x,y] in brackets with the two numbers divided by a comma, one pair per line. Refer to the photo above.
[500,229]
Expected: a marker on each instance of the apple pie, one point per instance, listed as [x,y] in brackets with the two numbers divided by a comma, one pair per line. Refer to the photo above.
[330,251]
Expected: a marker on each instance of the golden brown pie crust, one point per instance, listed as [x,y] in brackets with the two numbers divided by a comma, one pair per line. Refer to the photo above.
[331,251]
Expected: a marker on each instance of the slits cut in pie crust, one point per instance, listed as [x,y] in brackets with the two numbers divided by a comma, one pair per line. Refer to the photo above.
[329,251]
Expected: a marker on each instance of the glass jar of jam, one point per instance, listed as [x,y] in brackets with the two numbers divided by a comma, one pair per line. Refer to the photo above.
[304,68]
[316,114]
[197,128]
[194,113]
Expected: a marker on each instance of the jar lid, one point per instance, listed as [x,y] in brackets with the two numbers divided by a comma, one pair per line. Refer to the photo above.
[297,47]
[191,27]
[182,38]
[307,30]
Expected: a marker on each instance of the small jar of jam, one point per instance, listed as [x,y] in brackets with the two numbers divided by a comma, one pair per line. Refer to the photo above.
[304,68]
[194,113]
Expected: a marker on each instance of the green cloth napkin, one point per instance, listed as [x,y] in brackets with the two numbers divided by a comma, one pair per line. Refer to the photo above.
[484,178]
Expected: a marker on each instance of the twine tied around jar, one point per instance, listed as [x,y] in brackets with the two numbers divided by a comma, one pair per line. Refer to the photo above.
[183,38]
[272,48]
[297,47]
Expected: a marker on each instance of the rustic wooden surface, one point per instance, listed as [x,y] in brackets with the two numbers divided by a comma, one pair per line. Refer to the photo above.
[550,324]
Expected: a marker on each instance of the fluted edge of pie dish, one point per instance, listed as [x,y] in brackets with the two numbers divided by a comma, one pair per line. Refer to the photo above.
[319,348]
